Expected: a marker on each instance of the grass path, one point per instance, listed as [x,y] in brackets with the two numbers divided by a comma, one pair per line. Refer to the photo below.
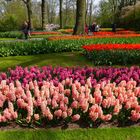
[132,133]
[6,39]
[55,59]
[66,59]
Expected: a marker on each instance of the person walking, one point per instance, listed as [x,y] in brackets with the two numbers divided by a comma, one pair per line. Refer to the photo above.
[25,29]
[29,28]
[114,27]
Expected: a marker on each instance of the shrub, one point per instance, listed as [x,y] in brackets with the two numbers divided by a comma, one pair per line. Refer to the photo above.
[44,46]
[12,34]
[113,54]
[9,23]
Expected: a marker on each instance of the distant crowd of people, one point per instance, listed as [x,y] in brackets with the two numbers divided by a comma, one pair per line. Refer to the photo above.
[92,28]
[26,28]
[96,28]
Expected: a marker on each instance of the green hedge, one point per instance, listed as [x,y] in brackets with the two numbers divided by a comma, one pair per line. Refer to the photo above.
[34,47]
[43,46]
[12,34]
[114,57]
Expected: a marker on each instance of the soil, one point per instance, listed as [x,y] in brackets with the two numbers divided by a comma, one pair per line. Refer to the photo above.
[15,126]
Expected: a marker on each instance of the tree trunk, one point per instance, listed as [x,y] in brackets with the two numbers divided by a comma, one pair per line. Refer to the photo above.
[29,10]
[90,12]
[43,14]
[80,17]
[60,14]
[87,8]
[66,12]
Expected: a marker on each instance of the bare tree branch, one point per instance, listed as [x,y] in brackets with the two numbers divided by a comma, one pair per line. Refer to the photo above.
[25,1]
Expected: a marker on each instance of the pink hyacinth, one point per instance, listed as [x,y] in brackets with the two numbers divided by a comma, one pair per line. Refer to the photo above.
[135,116]
[28,119]
[75,117]
[74,104]
[64,114]
[58,113]
[67,92]
[69,111]
[36,116]
[93,115]
[50,117]
[106,117]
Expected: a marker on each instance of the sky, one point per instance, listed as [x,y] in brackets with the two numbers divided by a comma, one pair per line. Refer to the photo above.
[96,2]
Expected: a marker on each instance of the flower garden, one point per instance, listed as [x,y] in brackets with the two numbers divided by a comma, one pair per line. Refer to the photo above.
[106,92]
[70,94]
[60,80]
[69,70]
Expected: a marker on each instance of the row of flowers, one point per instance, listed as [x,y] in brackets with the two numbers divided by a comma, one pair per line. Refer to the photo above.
[75,37]
[45,33]
[102,32]
[93,47]
[66,31]
[124,32]
[69,102]
[113,54]
[58,74]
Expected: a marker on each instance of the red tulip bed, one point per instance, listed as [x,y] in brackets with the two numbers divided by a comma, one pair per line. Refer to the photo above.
[78,37]
[112,47]
[103,32]
[113,54]
[47,96]
[45,33]
[123,32]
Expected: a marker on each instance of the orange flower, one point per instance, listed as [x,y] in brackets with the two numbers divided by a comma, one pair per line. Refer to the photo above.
[111,47]
[44,33]
[75,37]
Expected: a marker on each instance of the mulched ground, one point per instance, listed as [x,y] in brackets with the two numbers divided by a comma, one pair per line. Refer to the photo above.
[15,126]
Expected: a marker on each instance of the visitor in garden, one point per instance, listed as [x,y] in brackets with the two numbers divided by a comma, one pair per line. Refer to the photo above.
[97,28]
[86,28]
[113,27]
[25,30]
[92,27]
[29,28]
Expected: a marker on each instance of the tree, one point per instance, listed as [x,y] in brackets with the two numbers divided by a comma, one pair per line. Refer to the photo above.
[43,13]
[69,11]
[29,10]
[80,17]
[87,8]
[90,11]
[60,13]
[52,5]
[10,15]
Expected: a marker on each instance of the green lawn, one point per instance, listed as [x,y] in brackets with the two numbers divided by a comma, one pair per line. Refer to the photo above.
[45,36]
[110,29]
[5,39]
[55,59]
[132,133]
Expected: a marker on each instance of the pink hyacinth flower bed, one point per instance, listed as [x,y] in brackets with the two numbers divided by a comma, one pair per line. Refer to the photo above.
[69,100]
